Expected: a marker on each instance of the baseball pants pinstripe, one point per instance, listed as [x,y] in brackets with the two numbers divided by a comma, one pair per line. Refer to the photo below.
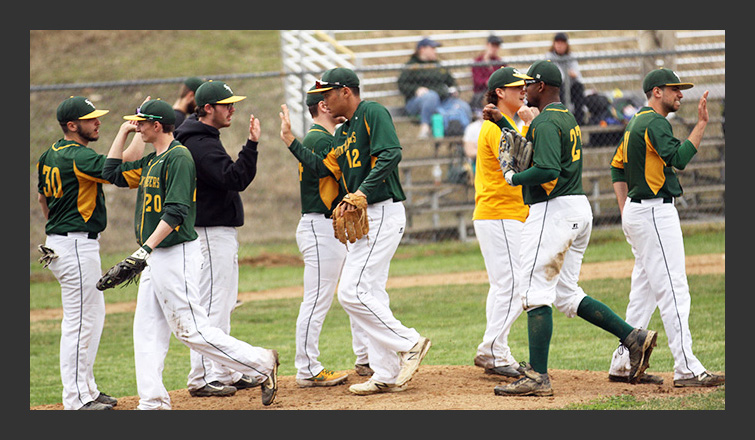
[499,244]
[77,269]
[218,292]
[323,258]
[362,293]
[168,302]
[659,280]
[554,240]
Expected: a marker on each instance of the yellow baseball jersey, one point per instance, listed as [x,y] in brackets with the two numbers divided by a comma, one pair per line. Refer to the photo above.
[494,198]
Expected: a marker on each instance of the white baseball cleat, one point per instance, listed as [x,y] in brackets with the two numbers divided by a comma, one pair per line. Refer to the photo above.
[411,359]
[375,387]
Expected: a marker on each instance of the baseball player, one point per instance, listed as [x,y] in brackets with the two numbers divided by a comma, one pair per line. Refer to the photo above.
[219,213]
[646,184]
[168,297]
[364,157]
[71,199]
[186,103]
[498,218]
[323,254]
[555,236]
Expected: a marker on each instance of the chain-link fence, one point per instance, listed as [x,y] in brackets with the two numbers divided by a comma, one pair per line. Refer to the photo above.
[436,173]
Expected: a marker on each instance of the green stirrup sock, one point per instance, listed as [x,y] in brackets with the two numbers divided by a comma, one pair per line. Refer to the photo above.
[599,314]
[539,331]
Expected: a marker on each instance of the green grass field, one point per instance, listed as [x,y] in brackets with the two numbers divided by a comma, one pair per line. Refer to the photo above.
[452,317]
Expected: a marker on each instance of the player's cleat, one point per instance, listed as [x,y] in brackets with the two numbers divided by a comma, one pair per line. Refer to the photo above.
[269,387]
[704,379]
[213,389]
[375,387]
[506,370]
[95,406]
[650,379]
[411,359]
[325,378]
[487,363]
[363,369]
[107,400]
[640,343]
[532,384]
[245,382]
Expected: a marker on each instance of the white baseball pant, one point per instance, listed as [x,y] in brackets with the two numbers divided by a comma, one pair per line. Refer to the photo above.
[555,237]
[500,244]
[659,279]
[323,257]
[77,269]
[218,292]
[362,293]
[168,302]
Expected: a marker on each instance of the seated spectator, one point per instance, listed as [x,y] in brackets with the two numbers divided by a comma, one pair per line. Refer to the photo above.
[480,74]
[429,88]
[560,55]
[471,133]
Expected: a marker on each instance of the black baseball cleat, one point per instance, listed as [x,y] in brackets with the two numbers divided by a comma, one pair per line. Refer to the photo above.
[213,389]
[245,382]
[107,400]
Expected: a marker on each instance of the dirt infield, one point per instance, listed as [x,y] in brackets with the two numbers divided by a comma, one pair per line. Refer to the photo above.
[434,387]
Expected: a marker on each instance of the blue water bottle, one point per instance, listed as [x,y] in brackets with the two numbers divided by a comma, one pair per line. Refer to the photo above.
[437,125]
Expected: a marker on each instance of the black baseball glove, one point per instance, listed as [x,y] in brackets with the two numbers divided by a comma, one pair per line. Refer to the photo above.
[515,151]
[126,271]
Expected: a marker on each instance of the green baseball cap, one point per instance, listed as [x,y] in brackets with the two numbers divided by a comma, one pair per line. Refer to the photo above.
[506,77]
[215,92]
[545,71]
[335,78]
[78,107]
[193,83]
[313,98]
[154,110]
[661,77]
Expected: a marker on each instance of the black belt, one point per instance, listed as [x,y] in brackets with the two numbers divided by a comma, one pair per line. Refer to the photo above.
[90,235]
[665,200]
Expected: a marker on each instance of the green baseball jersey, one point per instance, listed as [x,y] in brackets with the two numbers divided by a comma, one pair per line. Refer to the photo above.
[318,194]
[364,154]
[356,146]
[557,144]
[70,178]
[646,157]
[166,186]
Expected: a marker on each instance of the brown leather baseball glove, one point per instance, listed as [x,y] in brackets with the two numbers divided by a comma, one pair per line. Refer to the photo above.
[350,218]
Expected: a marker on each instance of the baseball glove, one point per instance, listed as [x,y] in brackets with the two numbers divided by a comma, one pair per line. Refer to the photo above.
[515,152]
[47,255]
[350,218]
[126,271]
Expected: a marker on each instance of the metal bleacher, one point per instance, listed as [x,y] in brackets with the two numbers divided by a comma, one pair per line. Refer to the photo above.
[609,62]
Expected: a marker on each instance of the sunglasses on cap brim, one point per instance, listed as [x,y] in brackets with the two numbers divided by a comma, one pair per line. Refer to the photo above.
[326,85]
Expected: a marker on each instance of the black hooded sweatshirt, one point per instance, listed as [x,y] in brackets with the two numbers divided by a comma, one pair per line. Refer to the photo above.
[219,178]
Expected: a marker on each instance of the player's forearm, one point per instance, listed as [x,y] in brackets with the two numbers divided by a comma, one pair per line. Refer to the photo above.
[162,230]
[534,176]
[135,150]
[696,136]
[43,205]
[386,162]
[116,148]
[621,191]
[309,159]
